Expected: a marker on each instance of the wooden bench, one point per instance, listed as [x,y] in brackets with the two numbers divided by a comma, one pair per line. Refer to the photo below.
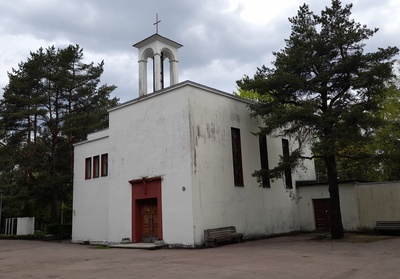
[213,237]
[387,226]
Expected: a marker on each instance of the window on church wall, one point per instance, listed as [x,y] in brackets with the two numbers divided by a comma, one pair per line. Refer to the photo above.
[264,159]
[237,157]
[96,166]
[104,164]
[88,168]
[288,171]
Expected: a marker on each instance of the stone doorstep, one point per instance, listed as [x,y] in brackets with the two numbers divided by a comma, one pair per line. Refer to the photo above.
[141,245]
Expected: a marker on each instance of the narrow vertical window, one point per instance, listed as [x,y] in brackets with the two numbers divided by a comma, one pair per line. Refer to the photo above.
[104,164]
[88,168]
[96,166]
[288,171]
[264,159]
[237,157]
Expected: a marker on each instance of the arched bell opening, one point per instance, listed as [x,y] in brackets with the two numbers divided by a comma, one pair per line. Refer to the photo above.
[167,68]
[158,63]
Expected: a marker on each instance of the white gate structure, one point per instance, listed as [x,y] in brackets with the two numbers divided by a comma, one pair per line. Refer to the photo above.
[20,226]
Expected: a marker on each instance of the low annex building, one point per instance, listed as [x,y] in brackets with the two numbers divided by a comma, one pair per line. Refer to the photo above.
[177,161]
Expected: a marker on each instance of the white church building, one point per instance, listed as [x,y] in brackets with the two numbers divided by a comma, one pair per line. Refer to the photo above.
[177,161]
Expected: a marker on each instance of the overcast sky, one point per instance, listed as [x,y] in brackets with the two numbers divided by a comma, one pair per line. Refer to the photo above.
[222,39]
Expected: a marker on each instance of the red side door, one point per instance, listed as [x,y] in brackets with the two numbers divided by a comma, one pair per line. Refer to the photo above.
[322,214]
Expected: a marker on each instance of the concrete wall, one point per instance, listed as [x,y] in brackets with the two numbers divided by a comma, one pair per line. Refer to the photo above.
[348,204]
[378,202]
[90,196]
[20,226]
[362,204]
[150,138]
[216,200]
[25,225]
[183,135]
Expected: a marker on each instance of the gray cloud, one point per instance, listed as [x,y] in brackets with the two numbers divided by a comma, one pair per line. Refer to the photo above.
[220,46]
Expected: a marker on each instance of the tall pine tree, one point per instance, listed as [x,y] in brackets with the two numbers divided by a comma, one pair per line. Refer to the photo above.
[51,101]
[323,87]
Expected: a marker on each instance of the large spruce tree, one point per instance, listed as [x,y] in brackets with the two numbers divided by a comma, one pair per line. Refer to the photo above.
[323,90]
[51,101]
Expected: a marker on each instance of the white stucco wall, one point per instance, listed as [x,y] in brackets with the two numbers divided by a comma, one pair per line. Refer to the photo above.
[182,134]
[378,202]
[90,196]
[216,201]
[348,205]
[150,138]
[25,225]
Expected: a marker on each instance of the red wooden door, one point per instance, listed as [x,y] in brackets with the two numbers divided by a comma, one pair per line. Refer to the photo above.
[322,214]
[149,220]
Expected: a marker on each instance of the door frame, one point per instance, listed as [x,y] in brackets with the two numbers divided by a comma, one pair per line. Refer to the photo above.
[142,189]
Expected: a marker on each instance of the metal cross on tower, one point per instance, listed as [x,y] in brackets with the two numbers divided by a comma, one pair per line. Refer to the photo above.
[156,23]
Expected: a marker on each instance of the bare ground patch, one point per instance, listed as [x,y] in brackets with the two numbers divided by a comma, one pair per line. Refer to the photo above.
[353,237]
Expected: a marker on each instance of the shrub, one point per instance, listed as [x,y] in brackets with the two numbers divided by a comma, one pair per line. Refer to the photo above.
[59,229]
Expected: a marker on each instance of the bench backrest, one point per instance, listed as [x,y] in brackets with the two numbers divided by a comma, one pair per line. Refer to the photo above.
[388,223]
[220,231]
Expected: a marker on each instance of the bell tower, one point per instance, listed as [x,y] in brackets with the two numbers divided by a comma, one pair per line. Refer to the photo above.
[158,48]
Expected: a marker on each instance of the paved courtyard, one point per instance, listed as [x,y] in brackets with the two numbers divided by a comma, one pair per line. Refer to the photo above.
[301,256]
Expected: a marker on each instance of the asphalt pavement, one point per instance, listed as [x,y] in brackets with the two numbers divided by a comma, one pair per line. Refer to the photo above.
[305,256]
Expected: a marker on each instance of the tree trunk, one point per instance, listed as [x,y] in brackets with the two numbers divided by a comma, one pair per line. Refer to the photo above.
[336,215]
[54,217]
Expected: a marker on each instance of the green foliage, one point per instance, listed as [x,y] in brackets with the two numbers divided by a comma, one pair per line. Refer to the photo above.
[324,90]
[247,94]
[51,101]
[384,144]
[59,229]
[387,138]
